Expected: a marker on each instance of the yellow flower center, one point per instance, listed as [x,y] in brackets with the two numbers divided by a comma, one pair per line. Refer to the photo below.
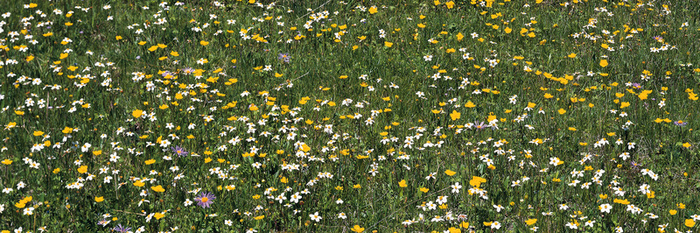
[205,199]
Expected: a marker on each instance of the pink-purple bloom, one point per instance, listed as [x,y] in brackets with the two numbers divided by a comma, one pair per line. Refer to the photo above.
[120,228]
[284,57]
[481,125]
[179,151]
[205,199]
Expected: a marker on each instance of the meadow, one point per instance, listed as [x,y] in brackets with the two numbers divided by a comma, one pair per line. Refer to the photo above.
[349,116]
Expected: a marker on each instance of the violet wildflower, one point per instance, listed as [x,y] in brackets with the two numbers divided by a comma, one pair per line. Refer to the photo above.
[284,57]
[480,125]
[634,164]
[119,228]
[680,123]
[179,151]
[205,199]
[188,70]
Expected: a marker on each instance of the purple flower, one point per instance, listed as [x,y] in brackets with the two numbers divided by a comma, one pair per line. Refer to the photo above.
[119,228]
[205,199]
[680,123]
[480,125]
[284,57]
[179,151]
[636,85]
[634,164]
[658,38]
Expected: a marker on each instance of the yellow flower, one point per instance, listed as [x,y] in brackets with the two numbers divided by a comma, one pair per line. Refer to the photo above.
[150,161]
[38,133]
[372,10]
[454,230]
[158,189]
[57,170]
[357,229]
[424,189]
[455,115]
[403,184]
[470,104]
[603,63]
[464,225]
[450,173]
[562,111]
[7,162]
[137,113]
[97,152]
[203,43]
[686,145]
[572,55]
[83,169]
[476,181]
[99,199]
[388,44]
[672,212]
[138,183]
[529,222]
[67,130]
[689,222]
[158,216]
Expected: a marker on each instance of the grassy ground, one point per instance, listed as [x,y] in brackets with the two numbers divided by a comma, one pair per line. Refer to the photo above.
[337,116]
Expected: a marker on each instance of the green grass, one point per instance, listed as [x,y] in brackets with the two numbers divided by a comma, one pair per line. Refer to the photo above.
[576,83]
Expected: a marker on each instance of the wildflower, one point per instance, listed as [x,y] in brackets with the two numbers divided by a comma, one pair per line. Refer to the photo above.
[359,229]
[284,57]
[120,228]
[205,199]
[315,217]
[179,151]
[480,125]
[680,123]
